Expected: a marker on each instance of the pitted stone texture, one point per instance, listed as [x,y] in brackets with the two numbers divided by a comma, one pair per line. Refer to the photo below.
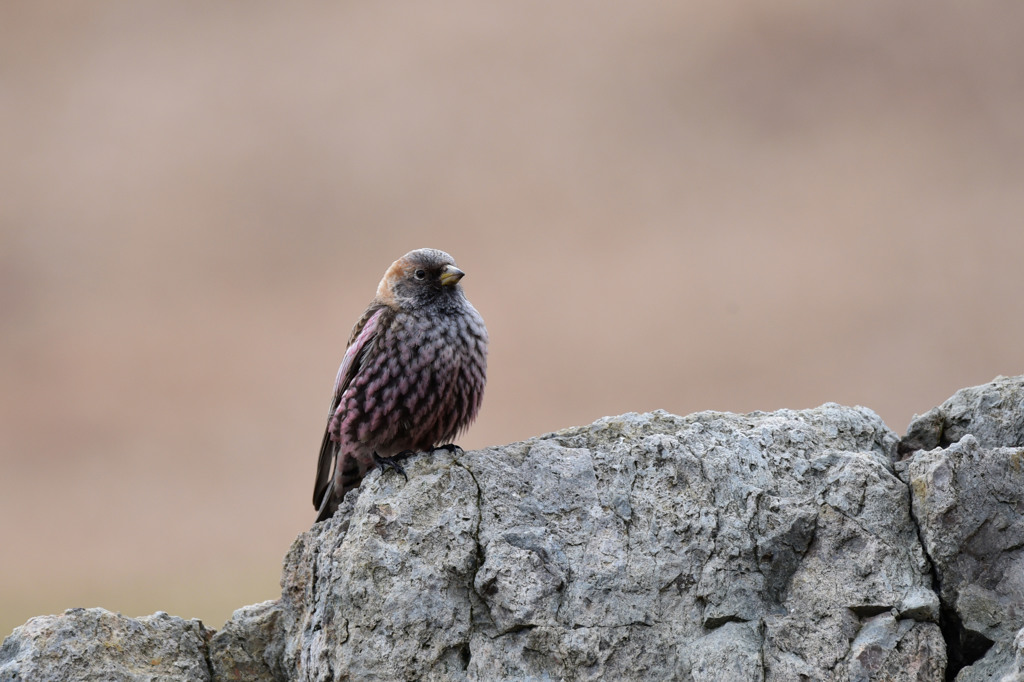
[249,647]
[969,502]
[383,589]
[639,547]
[767,546]
[993,413]
[965,468]
[95,645]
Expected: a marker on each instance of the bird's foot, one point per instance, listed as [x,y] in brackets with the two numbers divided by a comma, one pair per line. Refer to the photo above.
[393,462]
[450,447]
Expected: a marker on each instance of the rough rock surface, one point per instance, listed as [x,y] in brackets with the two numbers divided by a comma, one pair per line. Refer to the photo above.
[1015,672]
[248,648]
[772,546]
[768,546]
[967,492]
[993,413]
[96,645]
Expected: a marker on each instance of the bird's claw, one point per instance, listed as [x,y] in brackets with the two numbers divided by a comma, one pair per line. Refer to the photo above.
[393,462]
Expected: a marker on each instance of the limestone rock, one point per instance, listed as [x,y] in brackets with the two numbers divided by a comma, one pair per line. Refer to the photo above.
[967,497]
[997,665]
[969,502]
[640,547]
[993,413]
[891,649]
[1015,673]
[95,644]
[768,546]
[248,648]
[382,590]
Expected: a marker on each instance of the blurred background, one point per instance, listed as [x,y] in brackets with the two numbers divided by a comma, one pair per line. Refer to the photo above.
[725,206]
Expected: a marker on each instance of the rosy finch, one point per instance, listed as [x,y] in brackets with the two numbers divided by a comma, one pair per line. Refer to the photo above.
[412,377]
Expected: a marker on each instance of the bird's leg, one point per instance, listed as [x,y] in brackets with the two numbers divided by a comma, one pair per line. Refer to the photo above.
[393,462]
[450,447]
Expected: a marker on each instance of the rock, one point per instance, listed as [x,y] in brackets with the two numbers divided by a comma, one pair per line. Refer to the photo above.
[642,546]
[95,644]
[768,546]
[997,665]
[730,652]
[1016,671]
[968,501]
[382,590]
[891,649]
[993,413]
[249,647]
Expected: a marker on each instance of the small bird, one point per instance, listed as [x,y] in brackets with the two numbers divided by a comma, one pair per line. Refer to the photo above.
[412,377]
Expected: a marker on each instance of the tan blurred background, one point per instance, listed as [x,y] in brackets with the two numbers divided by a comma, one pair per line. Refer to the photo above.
[728,206]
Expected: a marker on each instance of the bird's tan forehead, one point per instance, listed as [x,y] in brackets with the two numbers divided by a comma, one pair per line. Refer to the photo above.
[385,290]
[410,262]
[400,269]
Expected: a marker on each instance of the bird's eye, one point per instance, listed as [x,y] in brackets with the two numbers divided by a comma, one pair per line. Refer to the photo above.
[420,274]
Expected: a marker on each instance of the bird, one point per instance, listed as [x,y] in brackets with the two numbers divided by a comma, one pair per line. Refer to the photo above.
[412,376]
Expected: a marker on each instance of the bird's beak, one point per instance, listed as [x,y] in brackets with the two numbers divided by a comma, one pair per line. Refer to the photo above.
[451,275]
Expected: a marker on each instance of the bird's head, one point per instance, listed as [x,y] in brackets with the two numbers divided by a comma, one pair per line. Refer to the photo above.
[421,277]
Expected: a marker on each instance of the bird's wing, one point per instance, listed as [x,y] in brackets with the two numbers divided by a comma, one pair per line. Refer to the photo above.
[366,329]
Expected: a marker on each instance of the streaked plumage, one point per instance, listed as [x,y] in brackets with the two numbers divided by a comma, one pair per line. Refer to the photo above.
[412,377]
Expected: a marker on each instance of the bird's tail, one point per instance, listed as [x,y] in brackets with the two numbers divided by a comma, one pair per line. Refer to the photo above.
[347,472]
